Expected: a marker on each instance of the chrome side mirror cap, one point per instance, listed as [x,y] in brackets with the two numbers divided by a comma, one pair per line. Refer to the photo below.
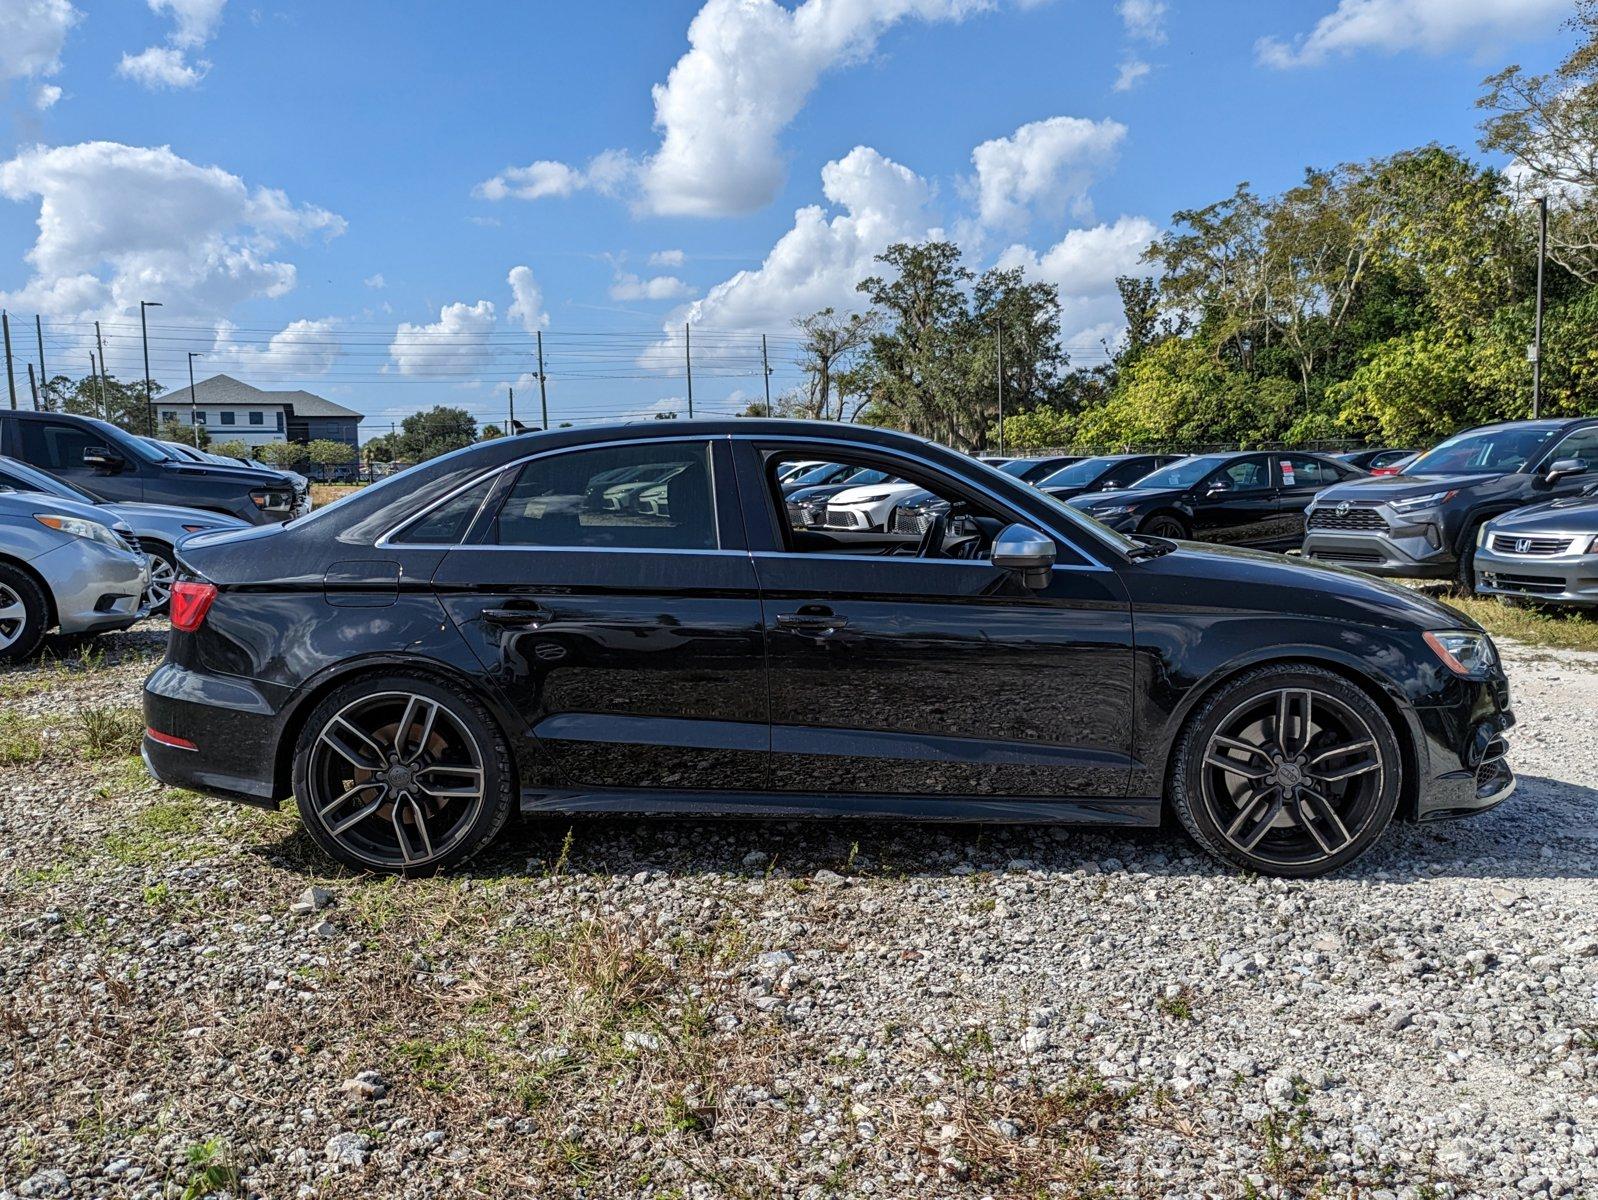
[1563,467]
[1025,552]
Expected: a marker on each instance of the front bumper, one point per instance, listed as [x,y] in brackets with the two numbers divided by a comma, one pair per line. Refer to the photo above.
[96,589]
[1404,549]
[1464,765]
[1553,579]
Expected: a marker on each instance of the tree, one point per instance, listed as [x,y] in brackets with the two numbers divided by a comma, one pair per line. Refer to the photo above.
[830,341]
[490,432]
[325,452]
[287,455]
[439,430]
[232,448]
[174,430]
[120,403]
[1022,319]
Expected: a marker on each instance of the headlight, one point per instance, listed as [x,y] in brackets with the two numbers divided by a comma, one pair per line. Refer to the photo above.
[83,528]
[874,498]
[1463,651]
[1113,510]
[1418,502]
[264,500]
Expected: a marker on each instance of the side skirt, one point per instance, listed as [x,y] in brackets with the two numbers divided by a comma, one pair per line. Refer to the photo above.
[1124,813]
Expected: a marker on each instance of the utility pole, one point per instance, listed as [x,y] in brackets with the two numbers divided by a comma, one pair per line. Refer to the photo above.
[194,404]
[510,429]
[149,400]
[11,380]
[543,397]
[99,381]
[44,376]
[101,346]
[33,386]
[765,371]
[999,331]
[1537,337]
[688,361]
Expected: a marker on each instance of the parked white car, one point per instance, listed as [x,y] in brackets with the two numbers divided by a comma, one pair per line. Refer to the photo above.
[866,508]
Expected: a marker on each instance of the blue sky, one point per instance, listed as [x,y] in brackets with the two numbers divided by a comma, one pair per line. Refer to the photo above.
[403,192]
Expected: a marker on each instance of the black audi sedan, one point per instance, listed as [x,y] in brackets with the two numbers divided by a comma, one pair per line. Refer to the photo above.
[472,636]
[1252,499]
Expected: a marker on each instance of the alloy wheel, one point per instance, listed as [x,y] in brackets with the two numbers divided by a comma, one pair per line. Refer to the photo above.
[162,575]
[1293,776]
[13,617]
[396,779]
[1166,527]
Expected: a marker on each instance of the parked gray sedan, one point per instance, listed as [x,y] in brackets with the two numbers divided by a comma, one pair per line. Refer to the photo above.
[159,527]
[62,564]
[1548,552]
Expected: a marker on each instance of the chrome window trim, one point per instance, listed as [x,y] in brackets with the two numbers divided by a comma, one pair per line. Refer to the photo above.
[385,539]
[1093,564]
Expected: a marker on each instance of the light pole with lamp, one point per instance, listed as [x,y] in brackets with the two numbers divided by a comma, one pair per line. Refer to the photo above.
[149,400]
[194,406]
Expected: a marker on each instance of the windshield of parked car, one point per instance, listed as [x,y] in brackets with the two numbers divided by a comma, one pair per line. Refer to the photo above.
[1067,517]
[1183,474]
[1078,474]
[828,473]
[24,478]
[1018,467]
[1495,451]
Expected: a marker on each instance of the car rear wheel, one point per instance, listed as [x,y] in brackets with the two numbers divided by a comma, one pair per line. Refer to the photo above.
[24,613]
[403,775]
[1165,527]
[163,573]
[1287,770]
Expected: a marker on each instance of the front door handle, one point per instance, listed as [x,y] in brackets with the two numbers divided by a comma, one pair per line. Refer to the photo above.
[820,623]
[518,618]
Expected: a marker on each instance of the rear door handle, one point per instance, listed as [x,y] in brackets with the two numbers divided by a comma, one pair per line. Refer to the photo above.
[818,622]
[522,618]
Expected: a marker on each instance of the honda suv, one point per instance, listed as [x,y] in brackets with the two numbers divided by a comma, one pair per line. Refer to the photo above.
[1423,524]
[112,464]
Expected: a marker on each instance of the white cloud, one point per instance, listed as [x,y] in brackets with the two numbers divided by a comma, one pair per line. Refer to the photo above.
[1046,164]
[196,20]
[527,306]
[1433,26]
[459,341]
[162,66]
[667,258]
[45,96]
[658,287]
[1084,265]
[749,69]
[605,173]
[301,348]
[1144,20]
[375,282]
[819,261]
[118,224]
[32,36]
[1131,74]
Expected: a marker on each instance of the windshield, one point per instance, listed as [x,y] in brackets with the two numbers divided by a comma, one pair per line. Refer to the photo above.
[1182,474]
[1074,518]
[25,479]
[1079,474]
[830,473]
[1485,451]
[1017,467]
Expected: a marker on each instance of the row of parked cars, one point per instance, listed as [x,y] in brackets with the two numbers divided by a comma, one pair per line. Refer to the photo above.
[91,517]
[1509,509]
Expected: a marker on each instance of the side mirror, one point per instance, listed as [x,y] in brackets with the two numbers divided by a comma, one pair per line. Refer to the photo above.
[1218,487]
[1562,467]
[103,458]
[1026,552]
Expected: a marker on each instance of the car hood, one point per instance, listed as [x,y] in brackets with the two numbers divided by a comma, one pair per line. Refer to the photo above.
[1070,491]
[244,475]
[1573,514]
[1126,496]
[856,495]
[26,504]
[1310,586]
[1398,487]
[134,512]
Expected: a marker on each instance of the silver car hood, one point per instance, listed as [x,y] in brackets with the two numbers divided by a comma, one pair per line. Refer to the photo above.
[136,512]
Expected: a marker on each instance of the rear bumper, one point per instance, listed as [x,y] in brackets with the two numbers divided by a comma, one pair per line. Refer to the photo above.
[1409,555]
[234,728]
[1556,579]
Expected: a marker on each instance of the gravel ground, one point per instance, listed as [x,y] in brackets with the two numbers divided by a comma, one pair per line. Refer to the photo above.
[193,1002]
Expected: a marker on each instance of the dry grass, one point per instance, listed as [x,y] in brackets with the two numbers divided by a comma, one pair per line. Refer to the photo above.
[323,494]
[1565,629]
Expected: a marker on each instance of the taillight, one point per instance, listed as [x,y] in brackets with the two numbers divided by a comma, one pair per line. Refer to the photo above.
[189,604]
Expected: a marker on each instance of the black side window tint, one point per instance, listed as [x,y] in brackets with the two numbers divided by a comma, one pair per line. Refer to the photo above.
[56,447]
[650,496]
[447,524]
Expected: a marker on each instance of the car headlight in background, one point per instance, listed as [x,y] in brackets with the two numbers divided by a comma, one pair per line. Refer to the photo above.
[1416,503]
[80,527]
[1113,510]
[266,500]
[874,498]
[1464,651]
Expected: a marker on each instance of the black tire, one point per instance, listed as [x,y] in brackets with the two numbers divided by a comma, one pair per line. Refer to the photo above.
[1465,571]
[28,614]
[364,846]
[163,571]
[1295,838]
[1166,526]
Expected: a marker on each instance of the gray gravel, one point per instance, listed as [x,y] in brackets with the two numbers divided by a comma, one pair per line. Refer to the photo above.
[191,999]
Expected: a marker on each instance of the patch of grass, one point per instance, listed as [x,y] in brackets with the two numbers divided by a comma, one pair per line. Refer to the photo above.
[111,731]
[168,831]
[1178,1007]
[1561,629]
[210,1171]
[22,739]
[42,876]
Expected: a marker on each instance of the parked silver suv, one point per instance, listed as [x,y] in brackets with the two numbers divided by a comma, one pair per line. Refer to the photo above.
[1548,552]
[63,566]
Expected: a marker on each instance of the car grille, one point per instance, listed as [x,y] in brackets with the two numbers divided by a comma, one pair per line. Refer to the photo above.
[909,520]
[1530,585]
[1337,554]
[1508,543]
[1354,518]
[133,542]
[841,518]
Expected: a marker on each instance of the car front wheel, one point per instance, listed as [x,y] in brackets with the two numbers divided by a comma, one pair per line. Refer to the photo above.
[402,774]
[1287,770]
[24,613]
[163,572]
[1166,527]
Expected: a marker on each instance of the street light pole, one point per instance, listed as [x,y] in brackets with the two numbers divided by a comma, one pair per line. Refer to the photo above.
[1537,337]
[999,332]
[149,400]
[194,404]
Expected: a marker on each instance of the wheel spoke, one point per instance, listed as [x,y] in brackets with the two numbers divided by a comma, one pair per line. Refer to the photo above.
[1370,762]
[1233,744]
[1316,814]
[13,612]
[447,792]
[1233,767]
[1291,745]
[402,738]
[1255,815]
[418,824]
[353,745]
[359,815]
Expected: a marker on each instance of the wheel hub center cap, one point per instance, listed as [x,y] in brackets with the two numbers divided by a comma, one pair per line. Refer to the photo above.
[1289,774]
[399,777]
